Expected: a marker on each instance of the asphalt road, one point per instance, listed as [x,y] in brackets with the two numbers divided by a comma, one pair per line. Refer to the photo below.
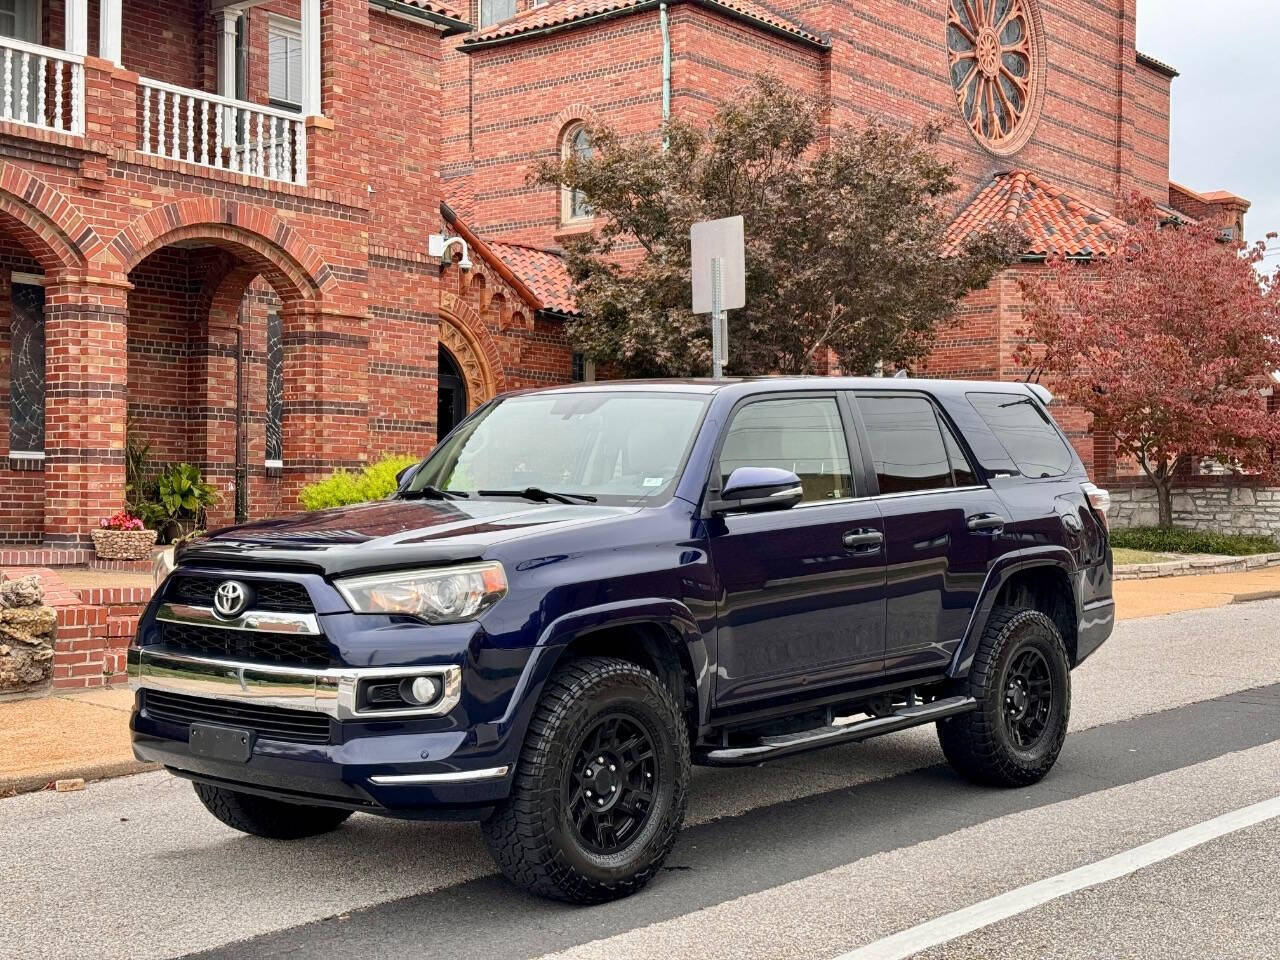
[1176,725]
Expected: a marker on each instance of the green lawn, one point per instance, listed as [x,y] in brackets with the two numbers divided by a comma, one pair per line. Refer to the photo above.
[1123,555]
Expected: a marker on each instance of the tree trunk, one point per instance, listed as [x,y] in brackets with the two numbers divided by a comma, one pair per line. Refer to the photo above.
[1164,494]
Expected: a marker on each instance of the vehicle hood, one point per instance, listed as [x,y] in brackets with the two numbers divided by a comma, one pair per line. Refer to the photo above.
[388,533]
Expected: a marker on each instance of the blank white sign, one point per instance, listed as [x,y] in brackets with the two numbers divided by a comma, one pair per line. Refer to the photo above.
[723,239]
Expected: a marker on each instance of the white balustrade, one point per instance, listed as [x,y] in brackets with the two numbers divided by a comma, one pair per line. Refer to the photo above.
[42,87]
[225,134]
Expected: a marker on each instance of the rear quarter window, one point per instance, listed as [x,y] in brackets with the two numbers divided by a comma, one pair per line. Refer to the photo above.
[1026,432]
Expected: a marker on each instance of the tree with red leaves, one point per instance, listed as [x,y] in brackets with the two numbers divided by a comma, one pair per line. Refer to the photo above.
[1168,342]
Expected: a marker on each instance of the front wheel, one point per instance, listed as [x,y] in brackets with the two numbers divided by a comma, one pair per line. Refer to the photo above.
[1021,679]
[599,791]
[264,817]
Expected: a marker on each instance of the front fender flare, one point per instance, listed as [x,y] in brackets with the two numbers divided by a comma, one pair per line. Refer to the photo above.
[558,634]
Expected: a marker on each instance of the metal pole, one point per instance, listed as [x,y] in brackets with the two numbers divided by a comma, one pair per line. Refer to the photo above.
[717,322]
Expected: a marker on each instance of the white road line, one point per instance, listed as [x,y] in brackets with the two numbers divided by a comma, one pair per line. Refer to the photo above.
[957,924]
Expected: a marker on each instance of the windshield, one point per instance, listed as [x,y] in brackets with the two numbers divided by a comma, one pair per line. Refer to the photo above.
[622,447]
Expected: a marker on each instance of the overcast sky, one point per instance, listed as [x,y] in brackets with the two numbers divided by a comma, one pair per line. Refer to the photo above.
[1226,116]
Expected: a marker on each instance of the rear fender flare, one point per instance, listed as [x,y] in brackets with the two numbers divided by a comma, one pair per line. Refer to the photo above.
[1008,565]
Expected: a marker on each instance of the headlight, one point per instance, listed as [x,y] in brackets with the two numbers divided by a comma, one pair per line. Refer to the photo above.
[447,595]
[161,566]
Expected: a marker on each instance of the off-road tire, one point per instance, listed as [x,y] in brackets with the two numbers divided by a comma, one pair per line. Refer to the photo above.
[978,744]
[529,835]
[264,817]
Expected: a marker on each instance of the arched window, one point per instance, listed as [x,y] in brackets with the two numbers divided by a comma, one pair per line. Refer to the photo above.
[577,144]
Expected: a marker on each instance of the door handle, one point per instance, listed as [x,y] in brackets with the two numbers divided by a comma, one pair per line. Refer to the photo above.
[864,540]
[985,522]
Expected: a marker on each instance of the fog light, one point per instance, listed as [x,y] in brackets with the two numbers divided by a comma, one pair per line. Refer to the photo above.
[419,691]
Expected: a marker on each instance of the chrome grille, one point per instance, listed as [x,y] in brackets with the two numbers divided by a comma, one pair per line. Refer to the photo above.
[259,646]
[277,596]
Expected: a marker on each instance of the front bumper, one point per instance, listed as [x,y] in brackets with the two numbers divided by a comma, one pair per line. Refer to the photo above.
[331,691]
[401,763]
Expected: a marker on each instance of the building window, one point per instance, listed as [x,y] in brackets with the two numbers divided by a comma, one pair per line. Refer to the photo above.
[997,66]
[582,370]
[491,11]
[275,390]
[576,144]
[26,372]
[284,62]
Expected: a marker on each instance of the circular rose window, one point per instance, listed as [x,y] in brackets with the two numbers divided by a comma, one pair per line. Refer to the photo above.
[997,61]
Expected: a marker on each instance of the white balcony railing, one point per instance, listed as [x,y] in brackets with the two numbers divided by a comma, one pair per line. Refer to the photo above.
[222,133]
[41,86]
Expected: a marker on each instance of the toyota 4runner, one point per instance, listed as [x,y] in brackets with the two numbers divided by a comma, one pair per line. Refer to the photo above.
[585,590]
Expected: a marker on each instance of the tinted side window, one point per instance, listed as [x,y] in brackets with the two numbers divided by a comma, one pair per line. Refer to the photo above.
[906,443]
[803,435]
[1026,431]
[961,470]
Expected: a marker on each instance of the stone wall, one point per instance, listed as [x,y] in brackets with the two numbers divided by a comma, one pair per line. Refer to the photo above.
[27,631]
[1226,509]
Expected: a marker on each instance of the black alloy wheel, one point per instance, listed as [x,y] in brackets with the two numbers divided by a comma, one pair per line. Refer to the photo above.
[1028,698]
[599,790]
[1021,682]
[610,789]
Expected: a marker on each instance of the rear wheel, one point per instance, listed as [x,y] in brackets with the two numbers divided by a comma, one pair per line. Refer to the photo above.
[264,817]
[599,791]
[1021,679]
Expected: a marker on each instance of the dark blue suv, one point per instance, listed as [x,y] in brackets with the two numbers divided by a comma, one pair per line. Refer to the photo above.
[583,590]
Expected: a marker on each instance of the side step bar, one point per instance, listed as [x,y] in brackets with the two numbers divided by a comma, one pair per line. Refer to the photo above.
[771,748]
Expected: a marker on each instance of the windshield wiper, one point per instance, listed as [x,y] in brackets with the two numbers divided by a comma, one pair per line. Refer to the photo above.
[538,495]
[430,492]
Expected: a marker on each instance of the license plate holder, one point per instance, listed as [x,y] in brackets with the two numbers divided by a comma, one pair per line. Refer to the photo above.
[220,743]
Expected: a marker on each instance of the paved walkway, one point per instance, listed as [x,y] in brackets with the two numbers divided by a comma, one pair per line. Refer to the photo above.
[86,734]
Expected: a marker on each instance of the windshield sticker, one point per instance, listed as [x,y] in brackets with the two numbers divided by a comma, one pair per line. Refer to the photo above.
[653,481]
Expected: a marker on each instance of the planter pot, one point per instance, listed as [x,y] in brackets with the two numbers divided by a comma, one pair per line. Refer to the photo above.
[123,544]
[177,529]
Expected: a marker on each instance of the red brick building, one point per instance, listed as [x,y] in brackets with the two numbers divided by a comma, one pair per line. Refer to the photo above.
[216,212]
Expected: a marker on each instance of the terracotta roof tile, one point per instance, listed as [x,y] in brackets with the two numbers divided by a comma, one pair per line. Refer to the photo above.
[562,13]
[1054,221]
[432,6]
[542,271]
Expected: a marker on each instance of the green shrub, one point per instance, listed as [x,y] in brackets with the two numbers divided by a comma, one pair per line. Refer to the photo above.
[1181,540]
[374,482]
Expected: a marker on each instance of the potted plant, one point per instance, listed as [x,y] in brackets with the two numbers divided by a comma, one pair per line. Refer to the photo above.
[122,536]
[184,497]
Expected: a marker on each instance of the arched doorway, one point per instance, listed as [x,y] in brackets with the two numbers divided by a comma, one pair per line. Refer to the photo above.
[451,393]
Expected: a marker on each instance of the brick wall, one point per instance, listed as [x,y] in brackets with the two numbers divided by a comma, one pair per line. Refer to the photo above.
[94,635]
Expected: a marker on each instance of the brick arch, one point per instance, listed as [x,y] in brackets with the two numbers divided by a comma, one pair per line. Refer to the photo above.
[462,333]
[574,113]
[265,241]
[45,221]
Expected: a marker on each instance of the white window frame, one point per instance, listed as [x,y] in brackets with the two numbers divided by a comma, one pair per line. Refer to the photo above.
[27,280]
[567,215]
[292,30]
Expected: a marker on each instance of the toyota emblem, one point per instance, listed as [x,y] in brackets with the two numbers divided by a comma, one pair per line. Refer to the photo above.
[230,599]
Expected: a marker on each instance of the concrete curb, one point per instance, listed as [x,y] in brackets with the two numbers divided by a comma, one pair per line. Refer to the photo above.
[1196,565]
[30,783]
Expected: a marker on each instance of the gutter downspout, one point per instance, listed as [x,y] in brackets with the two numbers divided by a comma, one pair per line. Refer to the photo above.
[666,69]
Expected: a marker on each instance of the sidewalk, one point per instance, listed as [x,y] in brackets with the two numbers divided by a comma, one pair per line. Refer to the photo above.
[1152,598]
[87,734]
[64,736]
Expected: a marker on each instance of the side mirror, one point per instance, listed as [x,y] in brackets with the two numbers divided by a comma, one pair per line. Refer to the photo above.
[759,488]
[406,474]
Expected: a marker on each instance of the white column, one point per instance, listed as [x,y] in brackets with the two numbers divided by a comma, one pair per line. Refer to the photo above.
[109,31]
[227,78]
[78,26]
[227,53]
[310,57]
